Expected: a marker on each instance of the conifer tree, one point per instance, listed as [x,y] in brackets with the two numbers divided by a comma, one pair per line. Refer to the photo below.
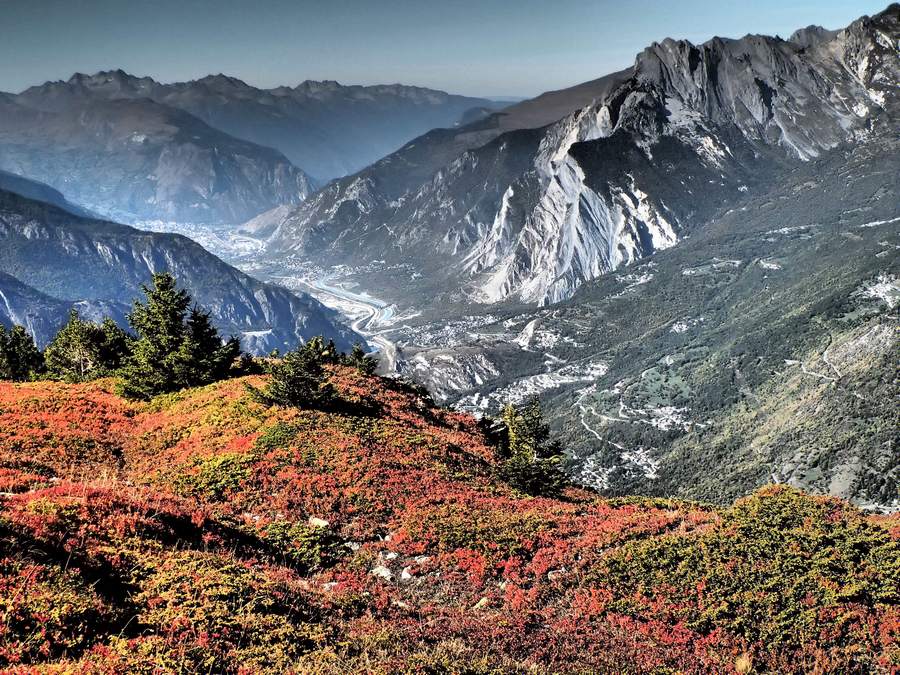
[20,359]
[5,367]
[330,352]
[175,348]
[203,357]
[298,379]
[531,458]
[83,350]
[360,360]
[154,365]
[528,432]
[114,346]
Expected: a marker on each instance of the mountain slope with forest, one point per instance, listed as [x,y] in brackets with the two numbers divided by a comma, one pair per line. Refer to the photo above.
[40,314]
[40,192]
[762,347]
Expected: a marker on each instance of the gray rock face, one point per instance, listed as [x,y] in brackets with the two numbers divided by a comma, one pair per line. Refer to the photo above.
[100,266]
[802,100]
[20,304]
[43,316]
[136,160]
[496,213]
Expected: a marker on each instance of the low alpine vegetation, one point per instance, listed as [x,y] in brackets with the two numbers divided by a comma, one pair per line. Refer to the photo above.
[245,527]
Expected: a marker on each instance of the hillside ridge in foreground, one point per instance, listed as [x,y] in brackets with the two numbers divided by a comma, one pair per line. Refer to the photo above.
[207,532]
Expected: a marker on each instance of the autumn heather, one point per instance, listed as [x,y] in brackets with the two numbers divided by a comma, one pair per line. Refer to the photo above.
[205,530]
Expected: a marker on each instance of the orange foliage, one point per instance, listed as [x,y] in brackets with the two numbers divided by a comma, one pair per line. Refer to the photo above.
[176,535]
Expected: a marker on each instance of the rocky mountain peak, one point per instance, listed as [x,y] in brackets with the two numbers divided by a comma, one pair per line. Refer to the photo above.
[811,36]
[868,48]
[109,81]
[318,86]
[804,94]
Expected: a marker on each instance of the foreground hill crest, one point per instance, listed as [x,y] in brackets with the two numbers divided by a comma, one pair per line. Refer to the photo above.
[205,531]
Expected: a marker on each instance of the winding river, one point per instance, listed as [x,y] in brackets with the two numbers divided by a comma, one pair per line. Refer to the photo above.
[365,313]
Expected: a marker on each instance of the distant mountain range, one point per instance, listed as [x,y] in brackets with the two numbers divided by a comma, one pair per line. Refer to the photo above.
[214,150]
[136,160]
[52,260]
[530,203]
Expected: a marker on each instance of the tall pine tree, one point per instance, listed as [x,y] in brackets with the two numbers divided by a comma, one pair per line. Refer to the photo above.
[203,357]
[175,348]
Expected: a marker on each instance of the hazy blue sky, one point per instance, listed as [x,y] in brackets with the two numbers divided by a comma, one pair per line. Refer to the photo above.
[519,47]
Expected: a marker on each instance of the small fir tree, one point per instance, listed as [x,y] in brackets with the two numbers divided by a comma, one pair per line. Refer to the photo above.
[20,359]
[299,378]
[360,360]
[83,350]
[531,459]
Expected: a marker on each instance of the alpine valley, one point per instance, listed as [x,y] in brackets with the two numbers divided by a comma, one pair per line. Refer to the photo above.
[693,261]
[328,378]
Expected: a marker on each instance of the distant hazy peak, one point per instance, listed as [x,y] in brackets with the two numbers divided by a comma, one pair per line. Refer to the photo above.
[352,91]
[107,78]
[222,80]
